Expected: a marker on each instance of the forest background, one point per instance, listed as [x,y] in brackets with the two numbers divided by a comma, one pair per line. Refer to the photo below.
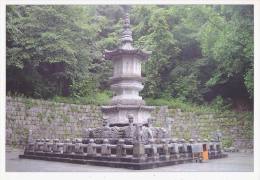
[202,55]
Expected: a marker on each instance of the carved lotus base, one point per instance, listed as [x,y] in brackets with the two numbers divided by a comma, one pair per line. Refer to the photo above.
[118,114]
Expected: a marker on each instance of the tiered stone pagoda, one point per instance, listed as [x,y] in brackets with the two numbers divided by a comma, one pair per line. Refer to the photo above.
[127,138]
[126,82]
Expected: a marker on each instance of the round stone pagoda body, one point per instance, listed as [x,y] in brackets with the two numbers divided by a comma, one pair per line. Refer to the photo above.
[126,82]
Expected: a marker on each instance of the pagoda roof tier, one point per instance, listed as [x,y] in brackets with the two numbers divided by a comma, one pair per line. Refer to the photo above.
[117,79]
[111,55]
[123,106]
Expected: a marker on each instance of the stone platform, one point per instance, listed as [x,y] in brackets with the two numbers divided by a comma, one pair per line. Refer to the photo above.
[126,162]
[119,153]
[115,162]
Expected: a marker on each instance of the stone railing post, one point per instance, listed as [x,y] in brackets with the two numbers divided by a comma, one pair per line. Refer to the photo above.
[189,148]
[91,148]
[30,147]
[66,148]
[212,148]
[79,147]
[36,145]
[138,150]
[55,146]
[154,153]
[175,149]
[60,147]
[45,144]
[105,148]
[120,150]
[179,148]
[185,148]
[41,145]
[165,148]
[49,146]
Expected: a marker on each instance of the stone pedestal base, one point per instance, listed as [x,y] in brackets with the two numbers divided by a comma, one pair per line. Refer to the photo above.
[117,114]
[127,162]
[116,162]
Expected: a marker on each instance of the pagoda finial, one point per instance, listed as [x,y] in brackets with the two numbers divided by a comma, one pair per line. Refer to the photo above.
[126,38]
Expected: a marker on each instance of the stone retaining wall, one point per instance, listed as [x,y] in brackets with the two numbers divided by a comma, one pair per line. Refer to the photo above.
[237,129]
[59,120]
[47,119]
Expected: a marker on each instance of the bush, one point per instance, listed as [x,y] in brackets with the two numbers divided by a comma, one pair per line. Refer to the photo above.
[220,104]
[85,88]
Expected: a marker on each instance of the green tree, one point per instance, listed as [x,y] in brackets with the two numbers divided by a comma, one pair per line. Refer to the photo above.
[200,53]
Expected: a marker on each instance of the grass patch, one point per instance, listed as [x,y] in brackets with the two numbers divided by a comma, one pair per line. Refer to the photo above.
[101,98]
[184,106]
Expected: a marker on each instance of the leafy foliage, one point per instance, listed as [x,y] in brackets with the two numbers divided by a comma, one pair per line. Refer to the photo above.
[201,53]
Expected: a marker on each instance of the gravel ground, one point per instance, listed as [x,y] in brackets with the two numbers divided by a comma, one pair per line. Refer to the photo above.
[235,162]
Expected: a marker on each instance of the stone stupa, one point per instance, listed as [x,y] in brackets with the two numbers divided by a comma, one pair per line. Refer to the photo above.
[126,82]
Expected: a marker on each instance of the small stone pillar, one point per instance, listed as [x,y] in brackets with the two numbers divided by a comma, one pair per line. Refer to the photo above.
[79,147]
[174,149]
[154,153]
[49,146]
[72,146]
[165,148]
[212,149]
[216,145]
[60,147]
[189,147]
[105,148]
[66,148]
[185,148]
[45,145]
[179,148]
[120,150]
[138,150]
[55,148]
[41,145]
[91,148]
[36,145]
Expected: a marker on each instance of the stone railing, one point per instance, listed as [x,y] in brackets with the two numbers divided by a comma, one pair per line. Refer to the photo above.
[165,150]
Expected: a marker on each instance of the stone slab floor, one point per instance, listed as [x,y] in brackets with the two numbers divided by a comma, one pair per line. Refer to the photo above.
[236,162]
